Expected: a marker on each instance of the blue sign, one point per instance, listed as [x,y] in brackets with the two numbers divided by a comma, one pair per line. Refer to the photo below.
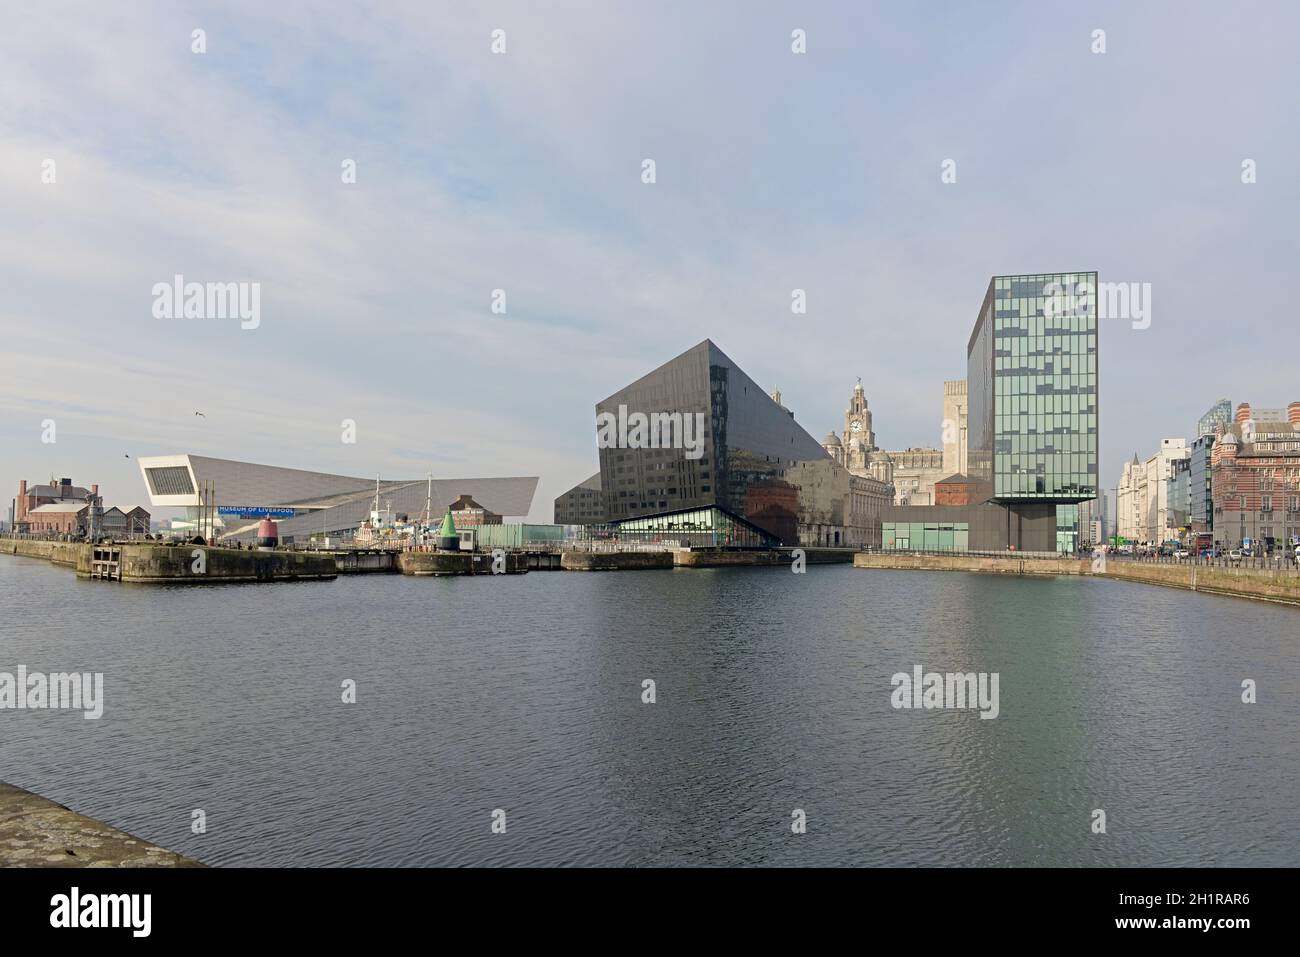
[256,511]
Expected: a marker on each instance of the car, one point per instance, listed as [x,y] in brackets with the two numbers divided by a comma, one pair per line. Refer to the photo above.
[1235,555]
[1182,553]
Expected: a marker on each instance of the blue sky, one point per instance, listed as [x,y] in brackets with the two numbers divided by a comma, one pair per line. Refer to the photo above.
[522,172]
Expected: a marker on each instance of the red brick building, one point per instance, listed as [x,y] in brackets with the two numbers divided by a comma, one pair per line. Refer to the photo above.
[61,508]
[467,513]
[960,489]
[61,493]
[773,506]
[1255,478]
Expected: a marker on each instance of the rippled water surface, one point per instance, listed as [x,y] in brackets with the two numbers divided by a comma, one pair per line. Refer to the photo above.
[524,693]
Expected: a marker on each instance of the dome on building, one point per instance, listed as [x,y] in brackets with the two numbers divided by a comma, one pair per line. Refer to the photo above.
[831,439]
[1229,438]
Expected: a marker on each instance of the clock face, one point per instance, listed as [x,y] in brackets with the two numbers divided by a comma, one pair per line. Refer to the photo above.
[855,425]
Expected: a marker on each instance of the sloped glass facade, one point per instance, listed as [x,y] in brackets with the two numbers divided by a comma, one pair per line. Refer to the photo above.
[696,528]
[742,443]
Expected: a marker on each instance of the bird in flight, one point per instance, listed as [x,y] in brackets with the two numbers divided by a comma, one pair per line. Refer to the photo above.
[200,414]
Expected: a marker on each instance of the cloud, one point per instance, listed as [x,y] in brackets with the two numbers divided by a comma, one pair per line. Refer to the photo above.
[521,172]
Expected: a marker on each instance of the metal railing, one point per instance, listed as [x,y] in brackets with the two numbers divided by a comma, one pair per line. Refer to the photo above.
[1278,560]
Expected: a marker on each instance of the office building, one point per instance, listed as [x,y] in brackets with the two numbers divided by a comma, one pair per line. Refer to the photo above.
[696,451]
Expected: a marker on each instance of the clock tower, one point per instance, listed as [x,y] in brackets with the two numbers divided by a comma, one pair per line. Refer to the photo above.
[859,439]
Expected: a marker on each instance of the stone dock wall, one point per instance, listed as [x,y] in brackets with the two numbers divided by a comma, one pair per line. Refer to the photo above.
[1263,584]
[35,832]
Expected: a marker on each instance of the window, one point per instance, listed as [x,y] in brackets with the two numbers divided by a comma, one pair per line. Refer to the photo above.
[172,480]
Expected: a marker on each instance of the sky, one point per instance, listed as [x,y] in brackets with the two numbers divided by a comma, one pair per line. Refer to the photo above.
[522,171]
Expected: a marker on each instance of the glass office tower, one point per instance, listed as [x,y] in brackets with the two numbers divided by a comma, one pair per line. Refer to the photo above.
[1032,381]
[1032,375]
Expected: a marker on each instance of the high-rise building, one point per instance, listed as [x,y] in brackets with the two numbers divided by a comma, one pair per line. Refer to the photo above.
[1031,377]
[1032,381]
[1219,414]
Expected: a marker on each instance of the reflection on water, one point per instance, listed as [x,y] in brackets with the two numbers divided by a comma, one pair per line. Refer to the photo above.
[524,693]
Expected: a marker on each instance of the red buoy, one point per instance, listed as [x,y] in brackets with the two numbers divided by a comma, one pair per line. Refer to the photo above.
[268,534]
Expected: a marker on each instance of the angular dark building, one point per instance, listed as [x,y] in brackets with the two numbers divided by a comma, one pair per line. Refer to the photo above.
[697,442]
[1031,372]
[580,505]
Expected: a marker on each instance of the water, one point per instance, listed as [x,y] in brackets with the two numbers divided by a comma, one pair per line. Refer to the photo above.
[524,693]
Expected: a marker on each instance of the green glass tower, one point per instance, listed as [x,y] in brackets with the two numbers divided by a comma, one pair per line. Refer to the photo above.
[1032,380]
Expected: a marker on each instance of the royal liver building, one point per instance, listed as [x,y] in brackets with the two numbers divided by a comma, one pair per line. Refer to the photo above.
[912,472]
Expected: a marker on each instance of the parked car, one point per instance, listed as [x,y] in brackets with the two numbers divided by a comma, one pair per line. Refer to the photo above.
[1182,553]
[1235,556]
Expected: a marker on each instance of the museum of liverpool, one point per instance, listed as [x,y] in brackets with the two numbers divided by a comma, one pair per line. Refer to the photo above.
[235,496]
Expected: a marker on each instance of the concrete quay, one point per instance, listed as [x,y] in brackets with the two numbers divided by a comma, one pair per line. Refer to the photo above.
[579,561]
[720,558]
[1280,585]
[458,563]
[35,832]
[159,563]
[988,564]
